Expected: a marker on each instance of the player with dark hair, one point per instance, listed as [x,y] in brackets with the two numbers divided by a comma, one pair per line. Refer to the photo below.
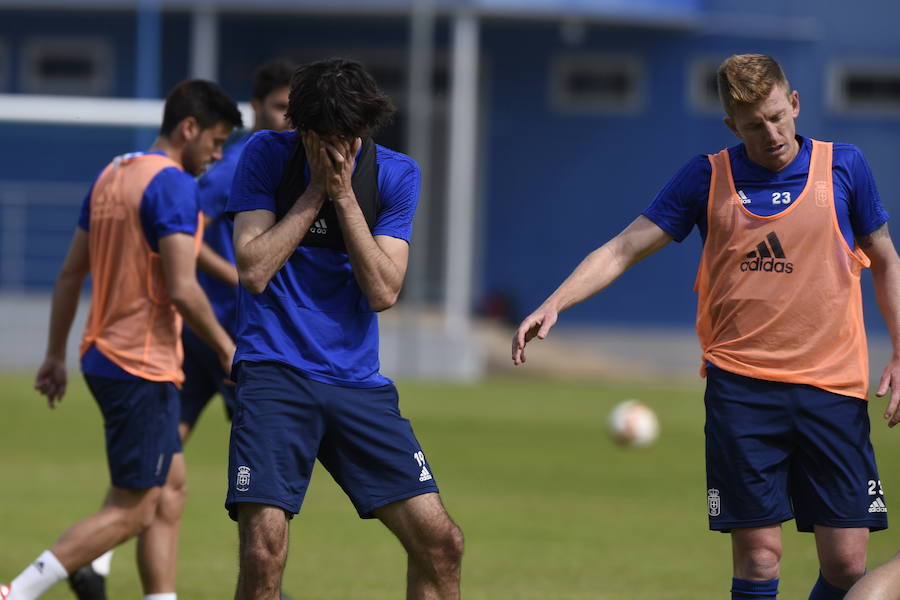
[323,217]
[217,275]
[788,224]
[138,237]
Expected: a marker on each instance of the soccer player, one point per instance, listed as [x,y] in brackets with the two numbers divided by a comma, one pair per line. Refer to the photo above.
[138,237]
[322,222]
[204,376]
[217,275]
[788,223]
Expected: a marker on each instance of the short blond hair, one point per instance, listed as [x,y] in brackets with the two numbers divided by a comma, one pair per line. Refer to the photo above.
[747,79]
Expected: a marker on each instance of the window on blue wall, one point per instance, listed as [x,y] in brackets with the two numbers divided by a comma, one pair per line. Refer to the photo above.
[67,66]
[596,83]
[703,87]
[861,89]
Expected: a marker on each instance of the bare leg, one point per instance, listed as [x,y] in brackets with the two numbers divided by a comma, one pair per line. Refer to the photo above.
[157,547]
[433,543]
[881,584]
[125,515]
[263,533]
[756,552]
[842,554]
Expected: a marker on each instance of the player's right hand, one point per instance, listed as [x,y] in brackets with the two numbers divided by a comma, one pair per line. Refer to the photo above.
[538,325]
[51,380]
[226,359]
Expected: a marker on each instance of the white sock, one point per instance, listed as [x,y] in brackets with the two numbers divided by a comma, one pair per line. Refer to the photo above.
[101,564]
[160,596]
[40,576]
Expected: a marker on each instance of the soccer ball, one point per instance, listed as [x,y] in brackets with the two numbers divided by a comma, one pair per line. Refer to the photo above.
[633,423]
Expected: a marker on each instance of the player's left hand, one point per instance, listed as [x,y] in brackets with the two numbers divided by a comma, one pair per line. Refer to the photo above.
[890,380]
[51,380]
[339,168]
[535,325]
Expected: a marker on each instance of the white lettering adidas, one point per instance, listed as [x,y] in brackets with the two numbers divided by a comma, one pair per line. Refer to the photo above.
[878,506]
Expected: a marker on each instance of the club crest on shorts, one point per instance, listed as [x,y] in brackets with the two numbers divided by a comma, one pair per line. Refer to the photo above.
[713,502]
[243,478]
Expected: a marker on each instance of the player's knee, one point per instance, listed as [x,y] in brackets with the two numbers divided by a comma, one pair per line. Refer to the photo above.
[761,562]
[444,551]
[172,500]
[261,552]
[844,571]
[454,547]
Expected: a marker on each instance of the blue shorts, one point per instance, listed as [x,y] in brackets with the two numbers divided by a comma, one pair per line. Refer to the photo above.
[141,422]
[203,378]
[777,451]
[284,421]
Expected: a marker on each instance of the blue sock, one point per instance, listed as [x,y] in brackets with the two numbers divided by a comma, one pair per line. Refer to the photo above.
[825,591]
[741,589]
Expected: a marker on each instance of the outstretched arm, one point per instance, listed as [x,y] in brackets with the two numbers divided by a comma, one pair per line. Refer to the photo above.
[886,277]
[261,244]
[599,269]
[51,377]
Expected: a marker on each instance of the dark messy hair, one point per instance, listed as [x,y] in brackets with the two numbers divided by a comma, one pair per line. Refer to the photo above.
[271,75]
[337,97]
[203,100]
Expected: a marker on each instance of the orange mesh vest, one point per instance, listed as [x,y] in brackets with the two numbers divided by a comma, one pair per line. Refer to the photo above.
[132,320]
[779,296]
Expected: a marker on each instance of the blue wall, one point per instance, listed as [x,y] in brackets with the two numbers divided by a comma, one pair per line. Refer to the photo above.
[556,184]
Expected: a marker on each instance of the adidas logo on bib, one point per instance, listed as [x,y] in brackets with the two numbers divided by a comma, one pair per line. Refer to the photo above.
[877,506]
[766,257]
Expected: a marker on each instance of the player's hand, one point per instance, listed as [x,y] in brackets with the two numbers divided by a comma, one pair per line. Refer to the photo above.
[341,161]
[226,359]
[316,159]
[51,380]
[535,325]
[890,380]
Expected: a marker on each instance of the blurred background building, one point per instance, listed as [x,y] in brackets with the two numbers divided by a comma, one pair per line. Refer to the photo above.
[543,127]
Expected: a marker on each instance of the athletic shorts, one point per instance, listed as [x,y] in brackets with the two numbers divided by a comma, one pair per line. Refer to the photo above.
[203,378]
[141,422]
[283,421]
[777,451]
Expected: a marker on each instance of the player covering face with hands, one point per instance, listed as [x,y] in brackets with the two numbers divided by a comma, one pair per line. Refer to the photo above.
[323,218]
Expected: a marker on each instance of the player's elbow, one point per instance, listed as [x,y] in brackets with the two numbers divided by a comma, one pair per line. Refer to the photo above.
[253,281]
[384,300]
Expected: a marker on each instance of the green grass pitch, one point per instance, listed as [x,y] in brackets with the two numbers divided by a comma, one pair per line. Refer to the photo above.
[551,509]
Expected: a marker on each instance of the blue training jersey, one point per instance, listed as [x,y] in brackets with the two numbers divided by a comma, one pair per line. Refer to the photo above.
[213,190]
[168,205]
[313,316]
[681,204]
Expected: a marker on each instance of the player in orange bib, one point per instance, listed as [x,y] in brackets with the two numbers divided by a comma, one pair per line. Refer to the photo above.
[138,237]
[788,224]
